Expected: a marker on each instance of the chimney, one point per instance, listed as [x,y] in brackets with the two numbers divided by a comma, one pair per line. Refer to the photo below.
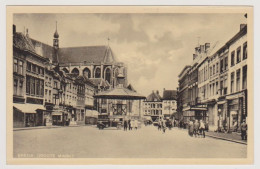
[163,89]
[207,46]
[202,50]
[194,56]
[14,29]
[242,26]
[157,92]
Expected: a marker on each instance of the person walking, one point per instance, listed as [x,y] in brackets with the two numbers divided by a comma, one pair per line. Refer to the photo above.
[136,124]
[202,128]
[196,128]
[132,124]
[125,125]
[129,124]
[191,128]
[159,125]
[163,126]
[244,130]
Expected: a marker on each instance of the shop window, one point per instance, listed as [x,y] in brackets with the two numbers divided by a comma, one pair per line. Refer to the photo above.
[238,80]
[239,54]
[245,50]
[233,58]
[244,85]
[15,65]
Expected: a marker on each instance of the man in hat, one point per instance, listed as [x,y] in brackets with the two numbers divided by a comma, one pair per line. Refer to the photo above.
[244,130]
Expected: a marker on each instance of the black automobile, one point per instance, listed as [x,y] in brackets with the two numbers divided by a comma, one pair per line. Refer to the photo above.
[103,121]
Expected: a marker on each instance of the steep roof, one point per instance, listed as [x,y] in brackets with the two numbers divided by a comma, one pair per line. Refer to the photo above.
[154,96]
[43,49]
[89,54]
[169,95]
[22,42]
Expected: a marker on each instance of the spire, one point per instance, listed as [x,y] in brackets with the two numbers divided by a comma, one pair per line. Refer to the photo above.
[56,35]
[108,39]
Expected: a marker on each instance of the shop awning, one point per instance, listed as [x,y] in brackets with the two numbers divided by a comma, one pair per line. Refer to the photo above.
[199,108]
[28,108]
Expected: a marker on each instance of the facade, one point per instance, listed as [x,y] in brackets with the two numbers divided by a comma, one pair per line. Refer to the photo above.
[219,96]
[152,106]
[183,94]
[48,90]
[169,103]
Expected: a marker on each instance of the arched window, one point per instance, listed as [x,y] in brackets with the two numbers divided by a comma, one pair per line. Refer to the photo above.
[86,72]
[108,75]
[97,73]
[65,70]
[75,71]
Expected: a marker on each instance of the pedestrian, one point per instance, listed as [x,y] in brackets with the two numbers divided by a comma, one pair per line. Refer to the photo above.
[125,125]
[163,126]
[159,125]
[196,128]
[202,128]
[244,130]
[136,124]
[132,124]
[191,128]
[129,124]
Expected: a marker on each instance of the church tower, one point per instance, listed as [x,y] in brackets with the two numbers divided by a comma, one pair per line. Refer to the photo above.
[56,46]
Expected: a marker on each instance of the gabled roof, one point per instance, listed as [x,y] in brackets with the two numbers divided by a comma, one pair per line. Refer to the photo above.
[22,42]
[89,54]
[154,96]
[169,95]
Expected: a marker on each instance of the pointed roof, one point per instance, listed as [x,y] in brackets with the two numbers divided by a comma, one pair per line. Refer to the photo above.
[99,82]
[56,35]
[130,87]
[89,54]
[169,95]
[22,42]
[120,93]
[154,96]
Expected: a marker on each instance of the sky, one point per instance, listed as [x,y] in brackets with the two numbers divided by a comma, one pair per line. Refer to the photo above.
[155,47]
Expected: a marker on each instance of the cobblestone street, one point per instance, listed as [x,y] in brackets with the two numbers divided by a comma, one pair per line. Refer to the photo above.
[147,142]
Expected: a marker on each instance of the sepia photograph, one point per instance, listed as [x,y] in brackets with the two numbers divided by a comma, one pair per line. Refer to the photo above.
[130,83]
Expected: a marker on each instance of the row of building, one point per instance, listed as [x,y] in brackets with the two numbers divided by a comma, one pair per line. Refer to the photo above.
[158,107]
[214,86]
[55,86]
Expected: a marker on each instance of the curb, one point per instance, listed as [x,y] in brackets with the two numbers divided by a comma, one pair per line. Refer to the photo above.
[226,139]
[37,128]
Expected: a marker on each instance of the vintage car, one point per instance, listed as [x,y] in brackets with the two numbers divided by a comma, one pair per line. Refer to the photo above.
[103,121]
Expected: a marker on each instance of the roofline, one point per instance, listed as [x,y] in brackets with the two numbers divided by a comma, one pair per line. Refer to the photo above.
[241,33]
[186,67]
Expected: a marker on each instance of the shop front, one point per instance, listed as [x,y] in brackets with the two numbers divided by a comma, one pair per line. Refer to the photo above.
[27,115]
[236,110]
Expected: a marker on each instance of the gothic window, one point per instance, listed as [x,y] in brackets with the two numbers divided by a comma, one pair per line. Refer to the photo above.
[86,72]
[97,73]
[75,71]
[108,75]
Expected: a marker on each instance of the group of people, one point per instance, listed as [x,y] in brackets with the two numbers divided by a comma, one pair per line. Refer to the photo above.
[196,128]
[162,125]
[130,124]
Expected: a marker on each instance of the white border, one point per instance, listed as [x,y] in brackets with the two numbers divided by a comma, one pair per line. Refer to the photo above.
[255,3]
